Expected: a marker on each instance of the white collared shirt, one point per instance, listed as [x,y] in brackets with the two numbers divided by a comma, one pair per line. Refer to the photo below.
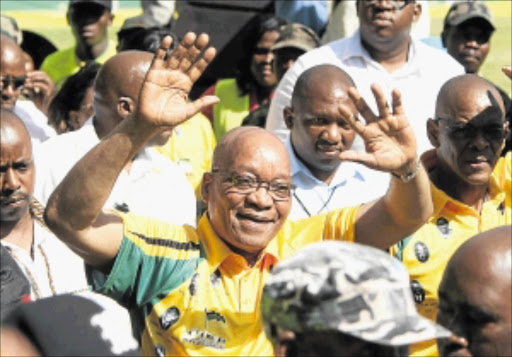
[35,121]
[55,269]
[153,187]
[352,184]
[419,81]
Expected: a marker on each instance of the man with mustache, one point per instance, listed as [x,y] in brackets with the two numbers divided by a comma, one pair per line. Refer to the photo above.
[470,184]
[381,51]
[49,266]
[318,134]
[89,21]
[475,297]
[468,27]
[197,291]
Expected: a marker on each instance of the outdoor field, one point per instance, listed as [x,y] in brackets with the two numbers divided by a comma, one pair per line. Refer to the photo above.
[48,18]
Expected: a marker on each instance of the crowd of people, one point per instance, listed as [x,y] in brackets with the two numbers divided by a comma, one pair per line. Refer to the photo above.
[352,198]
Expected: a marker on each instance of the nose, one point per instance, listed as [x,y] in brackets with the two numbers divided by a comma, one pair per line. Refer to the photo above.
[480,142]
[9,89]
[10,180]
[472,42]
[260,198]
[332,132]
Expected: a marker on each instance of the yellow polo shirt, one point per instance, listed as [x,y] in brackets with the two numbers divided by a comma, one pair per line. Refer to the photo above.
[427,252]
[191,295]
[191,147]
[62,64]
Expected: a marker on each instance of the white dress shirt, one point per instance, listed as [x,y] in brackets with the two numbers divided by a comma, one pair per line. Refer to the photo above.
[35,121]
[352,184]
[419,81]
[55,269]
[153,187]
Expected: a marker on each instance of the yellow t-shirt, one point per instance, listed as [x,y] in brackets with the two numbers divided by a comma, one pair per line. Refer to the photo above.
[191,147]
[62,64]
[427,252]
[191,294]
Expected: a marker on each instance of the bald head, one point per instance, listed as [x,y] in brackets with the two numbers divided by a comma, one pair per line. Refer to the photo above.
[10,52]
[122,75]
[475,296]
[488,252]
[457,91]
[246,138]
[12,129]
[321,75]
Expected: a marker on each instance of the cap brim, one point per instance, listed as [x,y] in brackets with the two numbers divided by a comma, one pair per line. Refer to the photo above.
[410,330]
[291,44]
[464,18]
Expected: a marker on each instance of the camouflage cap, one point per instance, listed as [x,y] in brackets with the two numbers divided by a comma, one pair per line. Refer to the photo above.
[108,4]
[357,290]
[9,27]
[296,36]
[463,11]
[142,21]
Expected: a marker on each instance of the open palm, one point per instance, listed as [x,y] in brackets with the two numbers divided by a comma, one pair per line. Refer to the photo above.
[390,142]
[163,99]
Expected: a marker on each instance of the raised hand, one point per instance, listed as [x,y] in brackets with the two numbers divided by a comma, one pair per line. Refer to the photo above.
[390,142]
[163,99]
[40,89]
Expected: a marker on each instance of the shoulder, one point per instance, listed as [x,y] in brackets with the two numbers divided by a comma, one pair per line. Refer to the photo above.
[54,58]
[437,59]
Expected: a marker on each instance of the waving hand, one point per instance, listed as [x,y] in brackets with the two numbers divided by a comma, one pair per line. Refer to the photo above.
[389,140]
[163,99]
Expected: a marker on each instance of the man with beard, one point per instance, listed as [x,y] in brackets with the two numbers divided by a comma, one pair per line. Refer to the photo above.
[470,184]
[197,291]
[318,134]
[89,21]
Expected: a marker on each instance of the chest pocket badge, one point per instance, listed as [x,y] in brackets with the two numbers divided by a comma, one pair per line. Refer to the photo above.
[421,251]
[169,317]
[443,226]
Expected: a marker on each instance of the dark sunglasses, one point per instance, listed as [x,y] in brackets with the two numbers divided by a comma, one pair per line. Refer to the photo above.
[395,4]
[17,82]
[492,132]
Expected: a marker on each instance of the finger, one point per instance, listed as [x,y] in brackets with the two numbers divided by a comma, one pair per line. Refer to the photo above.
[198,68]
[194,53]
[181,51]
[382,103]
[200,104]
[398,108]
[360,157]
[361,105]
[161,52]
[351,119]
[508,71]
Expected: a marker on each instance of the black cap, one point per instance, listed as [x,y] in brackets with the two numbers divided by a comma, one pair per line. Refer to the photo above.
[463,11]
[105,3]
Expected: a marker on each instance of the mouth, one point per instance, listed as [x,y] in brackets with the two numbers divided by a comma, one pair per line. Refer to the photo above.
[382,20]
[252,218]
[329,150]
[478,162]
[12,201]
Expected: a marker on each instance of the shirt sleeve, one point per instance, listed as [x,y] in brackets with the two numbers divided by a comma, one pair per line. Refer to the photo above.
[155,258]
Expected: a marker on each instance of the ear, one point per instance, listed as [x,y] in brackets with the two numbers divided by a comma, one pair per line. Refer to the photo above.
[68,17]
[444,34]
[288,117]
[433,132]
[110,19]
[206,184]
[125,106]
[74,119]
[416,12]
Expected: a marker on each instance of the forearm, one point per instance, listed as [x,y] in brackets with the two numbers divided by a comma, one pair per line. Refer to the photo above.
[405,207]
[77,201]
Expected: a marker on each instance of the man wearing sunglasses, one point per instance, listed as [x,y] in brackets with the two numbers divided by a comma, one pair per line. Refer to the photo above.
[468,27]
[89,21]
[470,184]
[382,51]
[13,78]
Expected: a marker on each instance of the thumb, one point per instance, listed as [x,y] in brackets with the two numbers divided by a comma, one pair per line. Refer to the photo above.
[200,104]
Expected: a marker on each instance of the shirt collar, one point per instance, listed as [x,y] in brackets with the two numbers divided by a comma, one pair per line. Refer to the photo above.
[217,252]
[354,49]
